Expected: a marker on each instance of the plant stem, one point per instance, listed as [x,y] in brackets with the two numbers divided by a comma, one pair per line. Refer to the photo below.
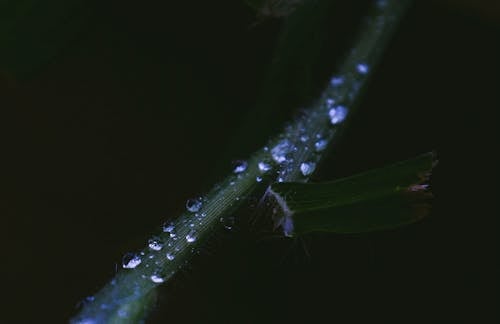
[291,156]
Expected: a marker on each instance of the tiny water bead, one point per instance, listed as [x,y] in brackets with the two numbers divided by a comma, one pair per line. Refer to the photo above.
[362,68]
[240,166]
[191,236]
[336,81]
[170,229]
[337,114]
[170,256]
[258,179]
[320,145]
[130,261]
[307,168]
[194,204]
[264,167]
[329,103]
[157,279]
[155,244]
[281,150]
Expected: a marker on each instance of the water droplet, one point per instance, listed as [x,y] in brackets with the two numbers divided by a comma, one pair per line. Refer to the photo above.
[157,279]
[307,168]
[320,145]
[228,222]
[337,114]
[191,236]
[258,179]
[362,68]
[170,256]
[240,166]
[280,179]
[264,167]
[280,151]
[130,261]
[304,138]
[329,103]
[193,205]
[170,229]
[155,244]
[336,81]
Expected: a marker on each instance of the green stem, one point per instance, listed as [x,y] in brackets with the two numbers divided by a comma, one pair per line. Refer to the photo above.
[292,156]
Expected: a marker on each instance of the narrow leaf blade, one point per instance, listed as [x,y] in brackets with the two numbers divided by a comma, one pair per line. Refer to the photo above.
[379,199]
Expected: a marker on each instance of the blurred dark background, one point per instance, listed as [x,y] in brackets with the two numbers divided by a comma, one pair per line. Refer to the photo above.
[112,114]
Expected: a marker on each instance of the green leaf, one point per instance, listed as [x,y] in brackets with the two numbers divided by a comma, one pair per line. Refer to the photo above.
[375,200]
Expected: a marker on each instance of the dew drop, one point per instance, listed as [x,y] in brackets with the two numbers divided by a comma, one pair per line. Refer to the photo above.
[337,114]
[362,68]
[170,229]
[336,81]
[240,166]
[258,179]
[320,145]
[193,205]
[329,103]
[155,244]
[156,278]
[281,150]
[130,261]
[264,167]
[170,256]
[304,138]
[307,168]
[191,236]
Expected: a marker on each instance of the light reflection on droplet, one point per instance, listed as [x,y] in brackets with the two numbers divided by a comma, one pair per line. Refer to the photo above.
[193,205]
[240,166]
[362,68]
[130,261]
[307,168]
[337,114]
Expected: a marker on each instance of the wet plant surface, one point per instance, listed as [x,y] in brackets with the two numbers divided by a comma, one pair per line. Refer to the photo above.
[146,107]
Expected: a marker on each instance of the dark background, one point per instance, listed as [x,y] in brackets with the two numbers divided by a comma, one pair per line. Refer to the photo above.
[109,128]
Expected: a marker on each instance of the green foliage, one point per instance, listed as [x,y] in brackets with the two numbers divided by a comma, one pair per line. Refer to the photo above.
[283,156]
[374,200]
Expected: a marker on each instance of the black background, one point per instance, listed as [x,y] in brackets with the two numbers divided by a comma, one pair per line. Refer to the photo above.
[108,139]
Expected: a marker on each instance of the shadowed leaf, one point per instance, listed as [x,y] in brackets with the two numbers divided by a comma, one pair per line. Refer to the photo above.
[378,199]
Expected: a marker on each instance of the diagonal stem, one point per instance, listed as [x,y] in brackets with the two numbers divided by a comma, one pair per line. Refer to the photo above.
[291,156]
